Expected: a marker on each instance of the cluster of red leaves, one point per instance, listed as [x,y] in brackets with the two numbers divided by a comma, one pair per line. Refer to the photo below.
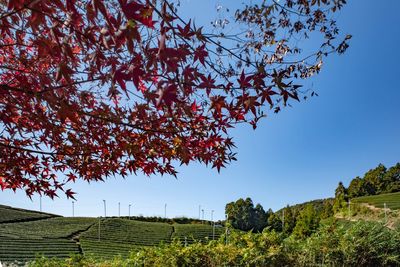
[90,89]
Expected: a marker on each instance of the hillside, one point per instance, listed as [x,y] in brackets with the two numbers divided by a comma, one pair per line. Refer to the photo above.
[25,234]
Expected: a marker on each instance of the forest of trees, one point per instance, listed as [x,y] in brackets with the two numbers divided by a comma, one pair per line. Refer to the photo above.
[304,219]
[300,220]
[379,180]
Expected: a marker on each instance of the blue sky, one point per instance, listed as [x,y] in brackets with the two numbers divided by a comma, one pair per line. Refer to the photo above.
[298,155]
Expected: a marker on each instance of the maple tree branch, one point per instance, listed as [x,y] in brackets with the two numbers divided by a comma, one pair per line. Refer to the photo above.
[211,40]
[43,152]
[289,10]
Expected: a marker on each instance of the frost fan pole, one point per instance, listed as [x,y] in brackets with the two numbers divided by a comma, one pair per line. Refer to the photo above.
[349,211]
[384,208]
[213,224]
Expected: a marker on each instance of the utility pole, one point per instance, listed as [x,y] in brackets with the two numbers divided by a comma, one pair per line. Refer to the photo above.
[199,212]
[105,210]
[165,210]
[99,228]
[349,210]
[384,205]
[129,211]
[119,209]
[226,229]
[73,209]
[213,224]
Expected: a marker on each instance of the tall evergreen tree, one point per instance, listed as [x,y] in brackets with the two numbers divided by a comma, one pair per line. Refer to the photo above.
[340,197]
[327,210]
[356,188]
[290,220]
[244,216]
[374,180]
[392,179]
[307,222]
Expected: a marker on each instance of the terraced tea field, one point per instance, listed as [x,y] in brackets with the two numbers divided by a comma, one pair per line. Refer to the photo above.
[9,214]
[122,235]
[196,232]
[392,200]
[59,227]
[22,250]
[62,236]
[105,249]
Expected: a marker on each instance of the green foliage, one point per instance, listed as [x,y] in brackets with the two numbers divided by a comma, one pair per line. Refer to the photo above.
[275,222]
[290,220]
[373,180]
[356,188]
[244,216]
[307,222]
[392,179]
[350,244]
[340,198]
[327,210]
[334,244]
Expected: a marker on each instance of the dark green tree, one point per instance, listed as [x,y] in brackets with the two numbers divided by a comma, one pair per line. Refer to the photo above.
[327,210]
[261,218]
[391,179]
[290,220]
[373,180]
[356,188]
[340,198]
[307,222]
[244,216]
[275,222]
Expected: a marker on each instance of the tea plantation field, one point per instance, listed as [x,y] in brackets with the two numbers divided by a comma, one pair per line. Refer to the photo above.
[392,200]
[191,232]
[104,238]
[9,214]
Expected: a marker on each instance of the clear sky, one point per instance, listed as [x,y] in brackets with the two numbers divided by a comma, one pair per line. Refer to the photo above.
[298,155]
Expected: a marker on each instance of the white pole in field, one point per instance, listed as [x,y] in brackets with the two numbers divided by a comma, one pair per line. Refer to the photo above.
[105,210]
[349,210]
[165,210]
[99,228]
[226,229]
[119,209]
[213,224]
[73,209]
[199,212]
[129,212]
[384,205]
